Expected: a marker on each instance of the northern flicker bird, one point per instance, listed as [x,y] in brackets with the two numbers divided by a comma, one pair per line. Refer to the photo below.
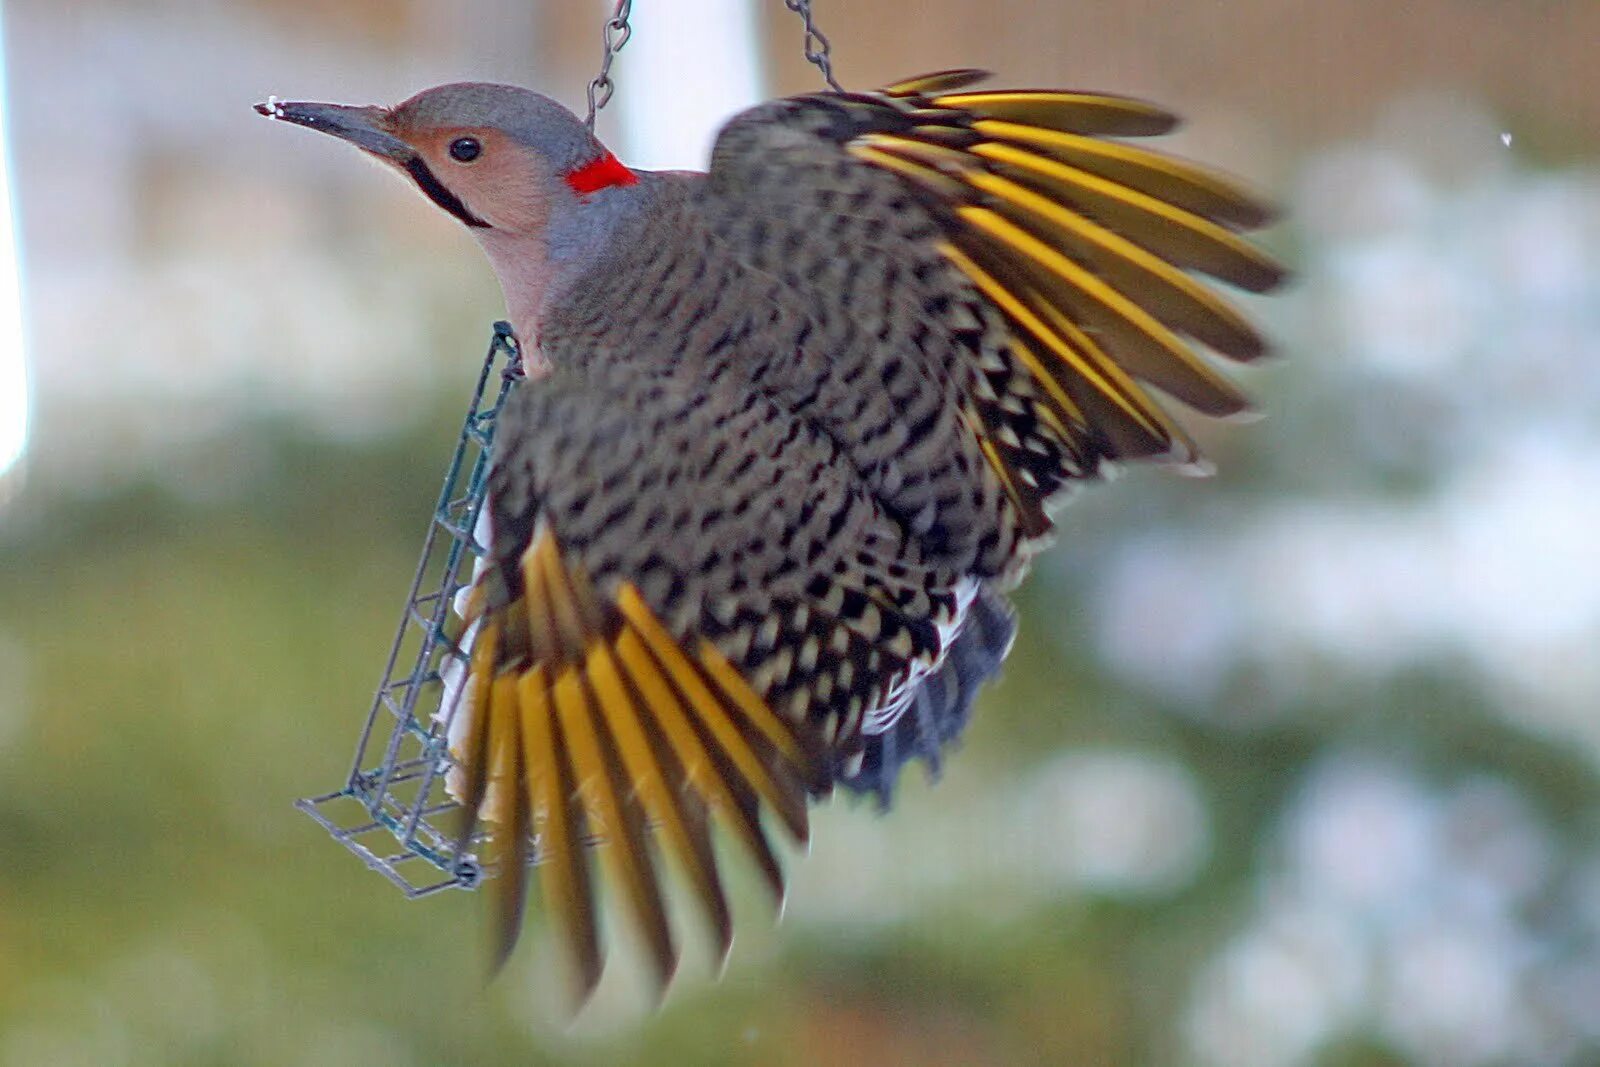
[793,428]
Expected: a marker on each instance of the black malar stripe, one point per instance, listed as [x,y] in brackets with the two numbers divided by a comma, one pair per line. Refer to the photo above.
[435,191]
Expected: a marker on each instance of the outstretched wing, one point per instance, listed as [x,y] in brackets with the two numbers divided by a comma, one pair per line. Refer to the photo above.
[750,527]
[692,603]
[1057,261]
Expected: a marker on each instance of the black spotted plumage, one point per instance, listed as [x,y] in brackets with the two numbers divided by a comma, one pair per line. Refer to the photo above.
[812,410]
[793,429]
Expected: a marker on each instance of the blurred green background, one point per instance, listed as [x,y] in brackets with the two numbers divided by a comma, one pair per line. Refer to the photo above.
[1291,766]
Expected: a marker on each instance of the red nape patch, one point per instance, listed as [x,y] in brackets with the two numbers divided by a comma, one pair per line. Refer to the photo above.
[603,173]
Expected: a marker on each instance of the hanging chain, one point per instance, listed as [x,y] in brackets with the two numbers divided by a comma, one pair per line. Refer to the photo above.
[615,35]
[617,30]
[818,51]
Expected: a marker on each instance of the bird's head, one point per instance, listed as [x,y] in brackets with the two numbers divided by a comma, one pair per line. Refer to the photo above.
[497,157]
[523,173]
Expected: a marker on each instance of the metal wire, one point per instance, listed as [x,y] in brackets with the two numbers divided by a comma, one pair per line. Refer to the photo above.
[818,52]
[614,35]
[617,29]
[394,811]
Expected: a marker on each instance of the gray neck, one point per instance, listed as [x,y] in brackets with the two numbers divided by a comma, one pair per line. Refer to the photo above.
[537,270]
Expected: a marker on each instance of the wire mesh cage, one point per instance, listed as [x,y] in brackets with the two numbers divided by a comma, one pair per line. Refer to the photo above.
[394,811]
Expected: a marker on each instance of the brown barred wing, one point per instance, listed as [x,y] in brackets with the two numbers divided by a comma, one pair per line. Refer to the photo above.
[692,608]
[1075,256]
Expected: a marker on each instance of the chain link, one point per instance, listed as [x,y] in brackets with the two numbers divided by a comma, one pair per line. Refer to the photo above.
[617,30]
[818,51]
[615,34]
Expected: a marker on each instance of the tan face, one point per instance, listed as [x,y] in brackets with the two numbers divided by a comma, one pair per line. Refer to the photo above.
[468,166]
[499,180]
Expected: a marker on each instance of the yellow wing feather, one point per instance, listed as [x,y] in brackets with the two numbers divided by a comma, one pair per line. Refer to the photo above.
[663,789]
[606,794]
[1085,245]
[716,715]
[1178,236]
[1179,182]
[1098,113]
[594,727]
[1140,343]
[1170,295]
[505,727]
[1112,403]
[705,769]
[559,822]
[944,81]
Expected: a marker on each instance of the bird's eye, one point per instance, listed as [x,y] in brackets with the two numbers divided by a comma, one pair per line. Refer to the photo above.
[465,149]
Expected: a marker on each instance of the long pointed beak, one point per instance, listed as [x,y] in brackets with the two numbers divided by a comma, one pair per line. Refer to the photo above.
[365,127]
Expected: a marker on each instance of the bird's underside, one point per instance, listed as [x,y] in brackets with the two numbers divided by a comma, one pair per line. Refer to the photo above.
[805,424]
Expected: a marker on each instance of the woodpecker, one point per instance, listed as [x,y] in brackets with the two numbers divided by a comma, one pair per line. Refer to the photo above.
[793,429]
